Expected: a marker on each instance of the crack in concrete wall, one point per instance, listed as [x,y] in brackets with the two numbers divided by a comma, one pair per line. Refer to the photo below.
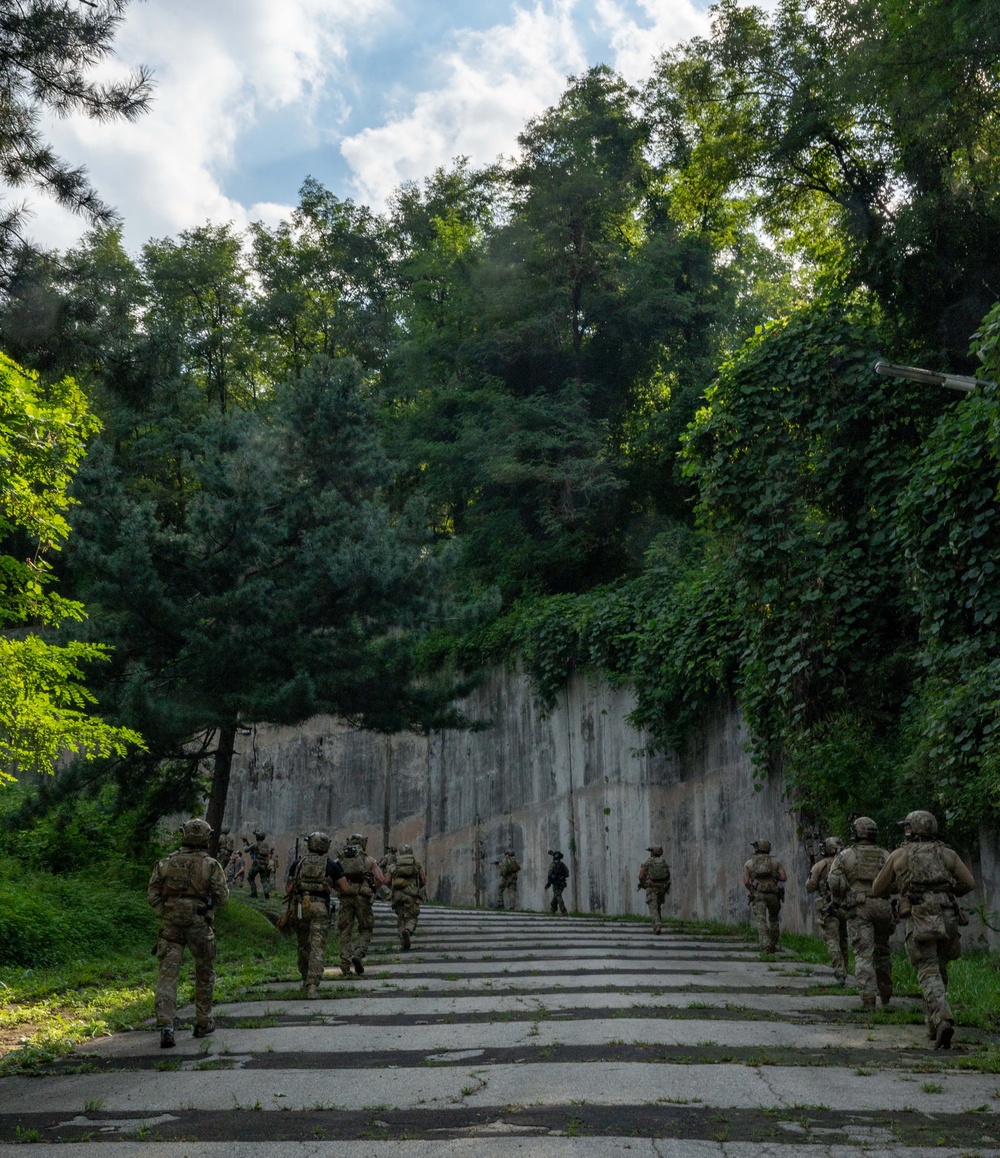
[578,777]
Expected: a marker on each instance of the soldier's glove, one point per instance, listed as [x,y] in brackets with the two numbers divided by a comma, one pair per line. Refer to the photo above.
[640,886]
[781,894]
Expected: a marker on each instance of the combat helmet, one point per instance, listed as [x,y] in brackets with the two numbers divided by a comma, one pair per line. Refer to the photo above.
[864,828]
[359,840]
[259,833]
[920,823]
[557,855]
[406,848]
[195,833]
[762,846]
[318,842]
[832,845]
[508,852]
[655,849]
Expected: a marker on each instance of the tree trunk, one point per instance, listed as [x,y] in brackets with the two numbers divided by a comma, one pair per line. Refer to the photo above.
[220,782]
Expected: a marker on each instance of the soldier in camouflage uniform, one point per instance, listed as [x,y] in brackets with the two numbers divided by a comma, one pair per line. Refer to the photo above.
[869,920]
[311,881]
[385,893]
[260,855]
[363,878]
[928,877]
[654,877]
[408,878]
[509,868]
[227,843]
[557,880]
[184,890]
[764,877]
[832,919]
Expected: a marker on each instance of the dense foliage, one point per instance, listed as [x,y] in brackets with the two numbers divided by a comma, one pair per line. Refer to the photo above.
[608,404]
[43,699]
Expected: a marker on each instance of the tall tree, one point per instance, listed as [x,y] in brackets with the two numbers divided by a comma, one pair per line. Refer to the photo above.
[43,699]
[861,136]
[48,51]
[262,578]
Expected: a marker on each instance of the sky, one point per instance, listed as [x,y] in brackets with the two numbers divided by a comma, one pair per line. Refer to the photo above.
[252,96]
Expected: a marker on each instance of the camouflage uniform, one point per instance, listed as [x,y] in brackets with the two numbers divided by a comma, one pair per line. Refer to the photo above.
[654,877]
[363,877]
[509,868]
[928,876]
[832,919]
[763,876]
[227,843]
[408,878]
[557,879]
[184,890]
[260,854]
[311,880]
[869,920]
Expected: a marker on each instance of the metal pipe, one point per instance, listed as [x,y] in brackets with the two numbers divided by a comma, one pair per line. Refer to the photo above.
[958,382]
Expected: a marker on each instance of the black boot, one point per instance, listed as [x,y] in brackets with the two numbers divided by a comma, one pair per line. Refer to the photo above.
[167,1037]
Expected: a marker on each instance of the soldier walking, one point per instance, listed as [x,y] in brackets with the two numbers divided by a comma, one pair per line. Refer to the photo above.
[557,880]
[227,842]
[509,868]
[832,918]
[363,878]
[928,877]
[408,878]
[764,877]
[260,856]
[869,920]
[184,890]
[312,879]
[654,877]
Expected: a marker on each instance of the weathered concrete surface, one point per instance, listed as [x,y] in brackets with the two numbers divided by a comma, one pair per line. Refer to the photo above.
[413,1076]
[578,778]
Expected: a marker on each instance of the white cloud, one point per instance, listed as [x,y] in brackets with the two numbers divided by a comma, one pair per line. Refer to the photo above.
[217,66]
[495,80]
[635,43]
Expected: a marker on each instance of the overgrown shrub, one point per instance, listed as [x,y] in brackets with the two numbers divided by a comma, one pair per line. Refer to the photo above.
[48,919]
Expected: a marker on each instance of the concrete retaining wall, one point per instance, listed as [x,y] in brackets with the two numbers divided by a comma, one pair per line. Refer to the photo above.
[576,778]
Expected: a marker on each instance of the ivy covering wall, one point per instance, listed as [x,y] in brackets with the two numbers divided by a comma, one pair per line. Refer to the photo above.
[841,582]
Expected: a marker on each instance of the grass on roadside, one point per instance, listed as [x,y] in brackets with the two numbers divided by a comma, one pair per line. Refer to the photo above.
[47,1011]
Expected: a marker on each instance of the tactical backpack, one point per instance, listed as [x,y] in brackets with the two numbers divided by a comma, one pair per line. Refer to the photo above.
[864,866]
[406,865]
[353,862]
[657,871]
[186,874]
[763,875]
[926,871]
[310,876]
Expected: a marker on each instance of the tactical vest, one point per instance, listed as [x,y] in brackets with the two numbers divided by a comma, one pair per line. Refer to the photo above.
[355,867]
[560,874]
[509,867]
[406,865]
[864,866]
[310,876]
[187,873]
[763,875]
[657,871]
[925,871]
[262,855]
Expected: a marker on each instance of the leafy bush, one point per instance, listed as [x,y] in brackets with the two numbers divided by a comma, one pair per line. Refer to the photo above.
[48,920]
